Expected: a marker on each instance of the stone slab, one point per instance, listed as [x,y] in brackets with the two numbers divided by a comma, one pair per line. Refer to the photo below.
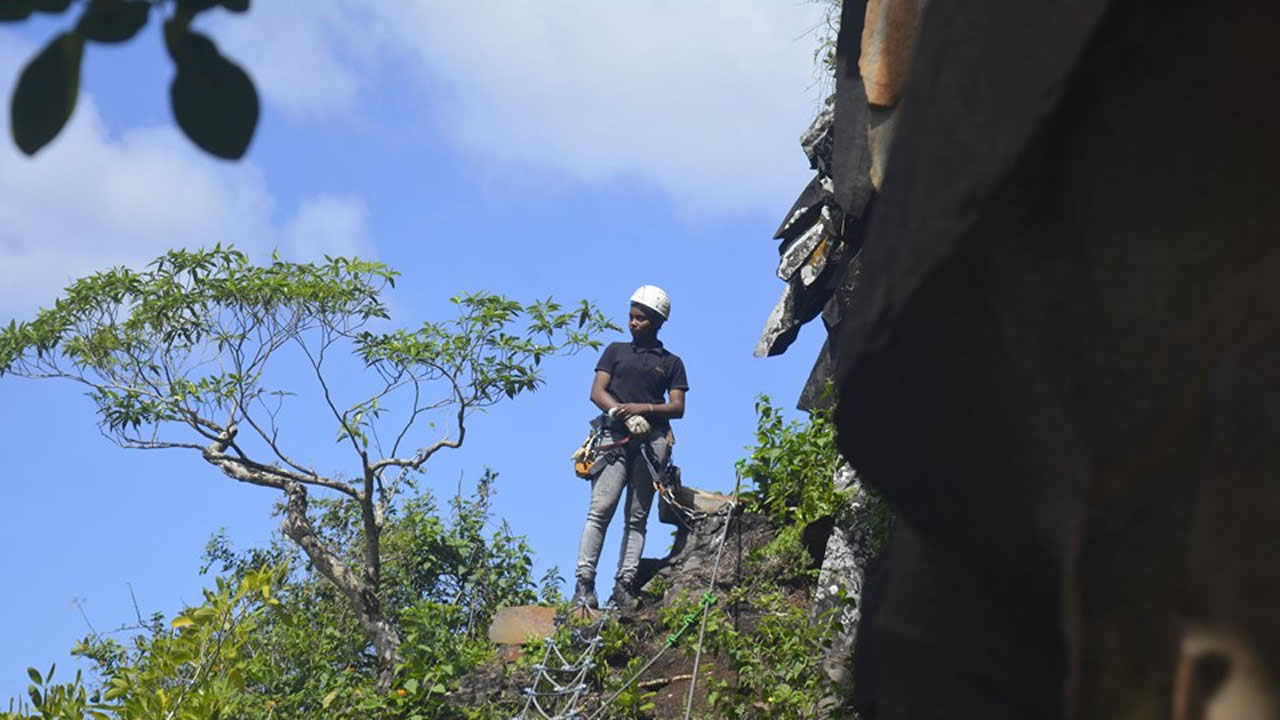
[888,37]
[702,500]
[515,625]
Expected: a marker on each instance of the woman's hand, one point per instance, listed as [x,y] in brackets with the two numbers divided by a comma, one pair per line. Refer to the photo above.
[622,411]
[626,410]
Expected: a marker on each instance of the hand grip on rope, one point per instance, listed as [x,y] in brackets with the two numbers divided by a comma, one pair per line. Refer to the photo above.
[690,618]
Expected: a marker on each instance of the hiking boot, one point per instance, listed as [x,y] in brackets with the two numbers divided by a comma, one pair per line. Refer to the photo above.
[584,594]
[624,597]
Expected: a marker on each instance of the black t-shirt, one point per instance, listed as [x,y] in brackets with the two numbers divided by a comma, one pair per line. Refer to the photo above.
[642,374]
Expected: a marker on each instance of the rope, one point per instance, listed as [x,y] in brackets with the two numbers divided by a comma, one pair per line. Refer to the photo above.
[715,570]
[689,619]
[684,513]
[708,598]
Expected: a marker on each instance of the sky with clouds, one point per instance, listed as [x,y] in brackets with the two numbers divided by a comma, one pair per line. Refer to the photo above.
[567,148]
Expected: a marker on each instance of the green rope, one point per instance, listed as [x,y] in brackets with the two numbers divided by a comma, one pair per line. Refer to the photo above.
[690,618]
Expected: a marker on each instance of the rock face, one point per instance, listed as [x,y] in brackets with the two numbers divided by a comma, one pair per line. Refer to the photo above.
[1058,362]
[850,549]
[692,559]
[686,571]
[848,146]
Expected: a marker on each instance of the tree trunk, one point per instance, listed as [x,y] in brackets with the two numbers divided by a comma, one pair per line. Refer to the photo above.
[360,591]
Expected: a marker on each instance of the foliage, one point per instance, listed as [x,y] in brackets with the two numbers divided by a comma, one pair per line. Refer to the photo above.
[632,702]
[213,99]
[191,670]
[284,644]
[772,661]
[445,577]
[190,351]
[785,560]
[793,467]
[827,33]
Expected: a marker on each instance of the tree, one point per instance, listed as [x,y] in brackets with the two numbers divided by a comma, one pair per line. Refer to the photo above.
[273,639]
[189,355]
[185,671]
[213,99]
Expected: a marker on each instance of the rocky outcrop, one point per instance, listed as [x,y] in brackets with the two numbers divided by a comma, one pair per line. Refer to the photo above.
[856,536]
[1059,364]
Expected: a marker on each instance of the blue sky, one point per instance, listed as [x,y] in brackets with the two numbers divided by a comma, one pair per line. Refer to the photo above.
[574,149]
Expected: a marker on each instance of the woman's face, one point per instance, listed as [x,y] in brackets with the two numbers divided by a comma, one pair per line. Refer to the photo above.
[642,326]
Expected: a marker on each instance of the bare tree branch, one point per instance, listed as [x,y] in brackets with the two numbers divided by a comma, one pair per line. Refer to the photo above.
[249,471]
[328,397]
[425,454]
[138,444]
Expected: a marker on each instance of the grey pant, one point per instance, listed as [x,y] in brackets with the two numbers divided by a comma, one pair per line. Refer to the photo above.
[629,472]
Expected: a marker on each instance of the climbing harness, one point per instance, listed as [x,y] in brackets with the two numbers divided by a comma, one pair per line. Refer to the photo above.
[594,453]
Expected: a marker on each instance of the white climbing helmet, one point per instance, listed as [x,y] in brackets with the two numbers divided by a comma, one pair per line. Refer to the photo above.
[654,298]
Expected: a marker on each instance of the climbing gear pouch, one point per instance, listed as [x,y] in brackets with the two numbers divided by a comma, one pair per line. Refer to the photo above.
[584,458]
[591,457]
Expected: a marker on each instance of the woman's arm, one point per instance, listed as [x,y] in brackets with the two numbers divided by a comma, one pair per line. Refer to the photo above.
[673,408]
[603,400]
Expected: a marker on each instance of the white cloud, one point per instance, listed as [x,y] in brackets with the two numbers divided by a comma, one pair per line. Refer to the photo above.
[90,201]
[297,52]
[329,225]
[703,98]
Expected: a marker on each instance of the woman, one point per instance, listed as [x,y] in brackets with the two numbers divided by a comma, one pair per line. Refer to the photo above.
[640,386]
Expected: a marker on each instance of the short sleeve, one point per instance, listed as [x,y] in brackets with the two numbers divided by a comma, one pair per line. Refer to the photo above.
[678,379]
[608,359]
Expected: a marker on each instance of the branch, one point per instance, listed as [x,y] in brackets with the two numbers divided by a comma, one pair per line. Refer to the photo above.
[275,448]
[139,444]
[413,415]
[328,397]
[362,594]
[246,470]
[415,462]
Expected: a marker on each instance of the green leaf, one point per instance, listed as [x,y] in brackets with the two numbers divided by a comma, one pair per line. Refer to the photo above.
[236,679]
[36,698]
[46,93]
[181,621]
[411,685]
[328,699]
[14,10]
[113,21]
[213,99]
[35,676]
